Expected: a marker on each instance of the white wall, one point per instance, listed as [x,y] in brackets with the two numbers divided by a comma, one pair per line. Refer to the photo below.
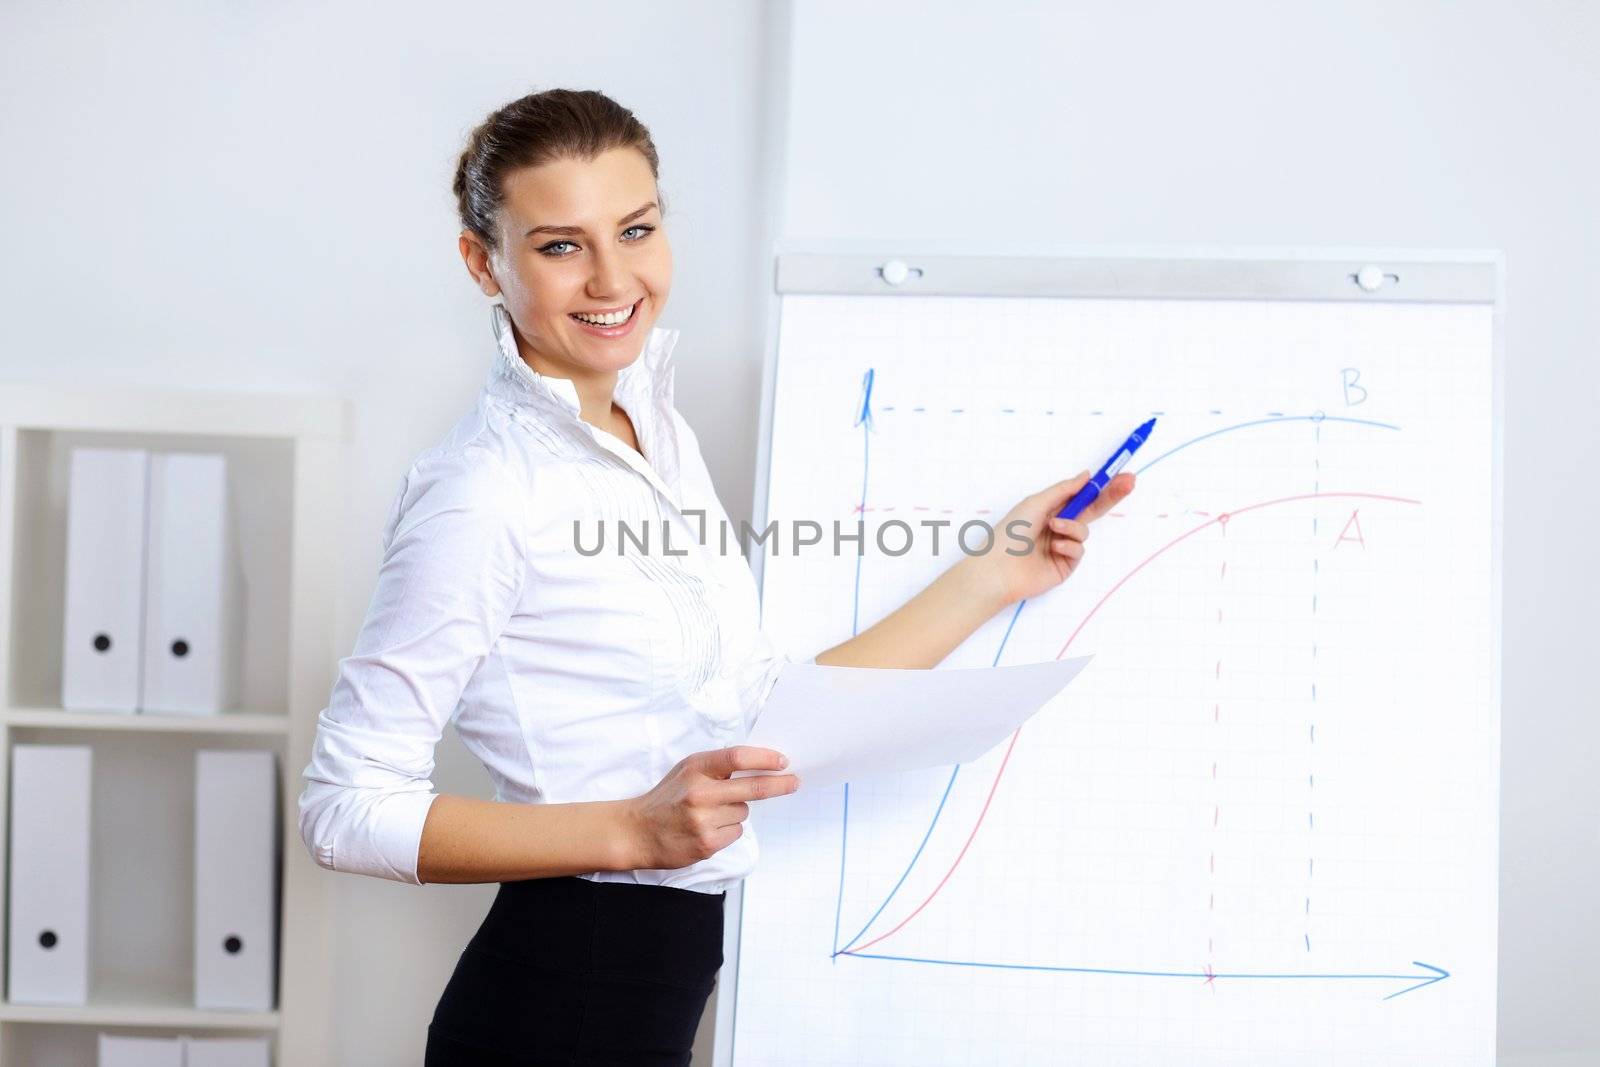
[253,195]
[1012,127]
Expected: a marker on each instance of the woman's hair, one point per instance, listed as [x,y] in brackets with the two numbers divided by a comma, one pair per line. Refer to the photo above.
[539,128]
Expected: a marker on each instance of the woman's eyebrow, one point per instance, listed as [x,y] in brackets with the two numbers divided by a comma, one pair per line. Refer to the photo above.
[575,230]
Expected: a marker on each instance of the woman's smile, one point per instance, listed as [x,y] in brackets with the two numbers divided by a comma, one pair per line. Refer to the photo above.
[612,323]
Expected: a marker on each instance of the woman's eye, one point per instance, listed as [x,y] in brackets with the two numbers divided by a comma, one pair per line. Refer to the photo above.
[549,249]
[643,231]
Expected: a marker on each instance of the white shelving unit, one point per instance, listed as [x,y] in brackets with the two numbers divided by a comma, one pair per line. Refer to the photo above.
[284,456]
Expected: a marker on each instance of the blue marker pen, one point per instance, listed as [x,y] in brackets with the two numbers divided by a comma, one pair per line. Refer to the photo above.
[1086,496]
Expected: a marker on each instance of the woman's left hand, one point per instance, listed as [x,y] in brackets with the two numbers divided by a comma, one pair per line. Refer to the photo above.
[1058,544]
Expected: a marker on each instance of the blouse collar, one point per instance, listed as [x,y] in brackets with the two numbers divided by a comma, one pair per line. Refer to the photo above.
[650,375]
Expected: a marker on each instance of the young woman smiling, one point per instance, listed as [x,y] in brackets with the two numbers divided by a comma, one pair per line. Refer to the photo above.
[605,694]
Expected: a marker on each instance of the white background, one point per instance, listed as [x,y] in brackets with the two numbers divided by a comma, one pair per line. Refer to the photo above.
[250,195]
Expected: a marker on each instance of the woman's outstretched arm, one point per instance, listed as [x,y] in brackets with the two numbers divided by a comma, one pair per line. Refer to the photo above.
[929,626]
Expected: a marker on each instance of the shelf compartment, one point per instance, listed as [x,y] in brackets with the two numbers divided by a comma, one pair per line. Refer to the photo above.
[261,504]
[141,871]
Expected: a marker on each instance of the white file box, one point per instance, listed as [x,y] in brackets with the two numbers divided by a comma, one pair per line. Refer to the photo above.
[49,933]
[235,883]
[193,587]
[101,658]
[118,1051]
[227,1052]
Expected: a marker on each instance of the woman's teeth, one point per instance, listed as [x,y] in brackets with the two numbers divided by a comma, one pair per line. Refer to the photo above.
[613,318]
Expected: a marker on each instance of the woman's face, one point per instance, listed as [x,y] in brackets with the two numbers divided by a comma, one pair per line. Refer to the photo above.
[578,238]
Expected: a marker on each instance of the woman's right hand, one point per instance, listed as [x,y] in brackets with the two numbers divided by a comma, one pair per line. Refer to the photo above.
[697,809]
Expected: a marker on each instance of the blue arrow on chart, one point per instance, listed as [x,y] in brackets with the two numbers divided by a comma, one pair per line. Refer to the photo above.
[1426,976]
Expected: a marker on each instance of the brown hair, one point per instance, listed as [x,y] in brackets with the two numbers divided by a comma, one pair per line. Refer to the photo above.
[538,128]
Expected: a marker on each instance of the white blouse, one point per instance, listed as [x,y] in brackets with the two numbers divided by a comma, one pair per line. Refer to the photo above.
[573,677]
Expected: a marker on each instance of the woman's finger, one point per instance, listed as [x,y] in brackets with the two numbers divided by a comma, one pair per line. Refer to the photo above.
[728,814]
[1061,492]
[1073,528]
[1116,490]
[1067,547]
[756,787]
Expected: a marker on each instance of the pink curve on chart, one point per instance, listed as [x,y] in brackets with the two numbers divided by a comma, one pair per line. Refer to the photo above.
[1221,519]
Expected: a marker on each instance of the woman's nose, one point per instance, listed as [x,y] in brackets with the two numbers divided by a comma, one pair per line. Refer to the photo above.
[608,278]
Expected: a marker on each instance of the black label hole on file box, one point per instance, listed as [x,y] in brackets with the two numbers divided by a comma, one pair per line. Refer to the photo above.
[233,944]
[48,939]
[180,647]
[102,642]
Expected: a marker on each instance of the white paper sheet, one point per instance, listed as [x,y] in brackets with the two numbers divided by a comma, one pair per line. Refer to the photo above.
[841,723]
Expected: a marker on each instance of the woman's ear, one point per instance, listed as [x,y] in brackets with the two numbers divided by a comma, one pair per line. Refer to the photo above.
[476,258]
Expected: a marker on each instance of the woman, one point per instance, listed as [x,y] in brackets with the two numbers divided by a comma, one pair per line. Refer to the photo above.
[606,693]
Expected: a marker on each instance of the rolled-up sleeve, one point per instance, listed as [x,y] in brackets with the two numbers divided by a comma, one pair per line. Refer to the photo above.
[453,570]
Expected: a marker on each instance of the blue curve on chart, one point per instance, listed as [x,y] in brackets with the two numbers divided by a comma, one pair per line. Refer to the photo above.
[864,419]
[1317,417]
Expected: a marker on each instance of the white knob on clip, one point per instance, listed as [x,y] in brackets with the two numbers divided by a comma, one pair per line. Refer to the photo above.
[1370,278]
[895,272]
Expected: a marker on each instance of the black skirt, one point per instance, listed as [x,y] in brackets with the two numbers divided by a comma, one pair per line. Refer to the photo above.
[573,971]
